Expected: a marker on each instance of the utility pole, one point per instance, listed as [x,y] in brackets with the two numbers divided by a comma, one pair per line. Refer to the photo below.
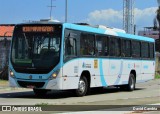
[66,11]
[128,16]
[51,6]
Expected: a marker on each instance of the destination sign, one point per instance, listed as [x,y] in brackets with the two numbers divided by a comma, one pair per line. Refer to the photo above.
[38,29]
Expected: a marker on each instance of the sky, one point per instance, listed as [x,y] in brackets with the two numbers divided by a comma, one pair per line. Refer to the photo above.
[95,12]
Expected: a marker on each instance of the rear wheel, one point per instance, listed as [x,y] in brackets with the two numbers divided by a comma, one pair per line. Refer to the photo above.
[82,87]
[131,83]
[40,92]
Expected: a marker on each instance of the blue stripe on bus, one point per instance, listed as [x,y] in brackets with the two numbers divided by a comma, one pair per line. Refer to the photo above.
[136,37]
[101,73]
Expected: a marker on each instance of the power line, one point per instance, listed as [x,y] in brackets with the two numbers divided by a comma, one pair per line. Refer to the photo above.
[51,7]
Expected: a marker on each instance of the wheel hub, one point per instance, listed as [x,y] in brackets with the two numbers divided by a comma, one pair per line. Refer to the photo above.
[81,86]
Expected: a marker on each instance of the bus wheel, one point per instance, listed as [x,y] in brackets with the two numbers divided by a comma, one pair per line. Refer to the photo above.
[40,92]
[82,87]
[131,83]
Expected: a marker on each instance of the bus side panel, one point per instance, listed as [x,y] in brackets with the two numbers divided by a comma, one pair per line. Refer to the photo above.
[70,77]
[148,70]
[102,71]
[128,66]
[115,71]
[95,69]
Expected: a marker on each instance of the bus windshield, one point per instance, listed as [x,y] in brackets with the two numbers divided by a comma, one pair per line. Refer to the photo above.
[36,48]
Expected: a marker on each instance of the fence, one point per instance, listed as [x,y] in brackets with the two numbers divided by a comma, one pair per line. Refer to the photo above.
[4,54]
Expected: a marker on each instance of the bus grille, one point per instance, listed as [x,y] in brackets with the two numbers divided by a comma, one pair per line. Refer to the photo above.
[35,84]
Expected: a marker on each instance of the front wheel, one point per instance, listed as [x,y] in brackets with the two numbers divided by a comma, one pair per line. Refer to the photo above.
[82,87]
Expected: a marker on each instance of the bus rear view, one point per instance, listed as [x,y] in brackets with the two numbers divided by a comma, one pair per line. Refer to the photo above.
[35,57]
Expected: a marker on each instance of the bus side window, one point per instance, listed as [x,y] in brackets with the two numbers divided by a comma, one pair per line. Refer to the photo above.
[70,46]
[126,48]
[151,52]
[136,49]
[87,46]
[145,50]
[112,46]
[102,45]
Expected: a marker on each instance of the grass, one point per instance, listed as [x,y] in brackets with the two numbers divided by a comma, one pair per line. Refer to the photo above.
[157,76]
[3,82]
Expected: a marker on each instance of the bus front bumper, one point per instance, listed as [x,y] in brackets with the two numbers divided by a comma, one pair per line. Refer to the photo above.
[43,84]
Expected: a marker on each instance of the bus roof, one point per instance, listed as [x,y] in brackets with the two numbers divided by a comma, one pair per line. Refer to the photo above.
[96,30]
[106,31]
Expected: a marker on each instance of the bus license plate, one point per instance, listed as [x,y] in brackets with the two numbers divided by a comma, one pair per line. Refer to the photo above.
[30,86]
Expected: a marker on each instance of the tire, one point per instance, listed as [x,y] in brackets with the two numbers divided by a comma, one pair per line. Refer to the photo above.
[82,87]
[40,92]
[131,83]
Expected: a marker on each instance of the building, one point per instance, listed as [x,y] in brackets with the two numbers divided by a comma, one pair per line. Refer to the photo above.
[149,32]
[6,31]
[152,33]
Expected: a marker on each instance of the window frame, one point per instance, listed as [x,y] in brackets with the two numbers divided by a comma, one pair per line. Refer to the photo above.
[126,40]
[94,44]
[142,46]
[106,38]
[137,41]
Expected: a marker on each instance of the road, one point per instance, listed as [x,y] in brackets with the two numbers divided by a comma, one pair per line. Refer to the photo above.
[145,93]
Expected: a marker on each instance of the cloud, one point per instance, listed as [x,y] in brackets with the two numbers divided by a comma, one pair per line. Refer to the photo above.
[107,17]
[114,18]
[145,16]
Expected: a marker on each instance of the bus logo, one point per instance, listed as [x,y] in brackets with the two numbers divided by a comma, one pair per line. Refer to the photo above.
[84,65]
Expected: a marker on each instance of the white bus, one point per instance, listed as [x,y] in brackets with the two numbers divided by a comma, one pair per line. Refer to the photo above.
[62,56]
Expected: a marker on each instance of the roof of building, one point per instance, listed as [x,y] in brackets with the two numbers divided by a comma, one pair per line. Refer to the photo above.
[6,30]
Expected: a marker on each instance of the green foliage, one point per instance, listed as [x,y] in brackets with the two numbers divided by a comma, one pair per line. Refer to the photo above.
[3,82]
[157,76]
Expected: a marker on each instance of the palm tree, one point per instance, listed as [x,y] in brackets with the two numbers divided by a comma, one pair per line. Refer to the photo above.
[158,15]
[158,19]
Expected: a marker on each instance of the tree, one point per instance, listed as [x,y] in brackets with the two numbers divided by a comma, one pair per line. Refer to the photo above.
[158,18]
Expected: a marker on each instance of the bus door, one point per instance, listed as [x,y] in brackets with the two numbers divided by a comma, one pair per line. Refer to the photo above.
[71,62]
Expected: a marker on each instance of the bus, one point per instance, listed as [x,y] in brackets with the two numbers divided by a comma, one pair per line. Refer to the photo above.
[48,56]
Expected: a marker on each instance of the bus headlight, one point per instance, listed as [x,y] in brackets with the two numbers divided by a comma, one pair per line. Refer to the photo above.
[54,75]
[11,73]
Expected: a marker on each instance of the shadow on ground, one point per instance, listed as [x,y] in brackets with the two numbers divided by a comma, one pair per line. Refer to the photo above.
[62,94]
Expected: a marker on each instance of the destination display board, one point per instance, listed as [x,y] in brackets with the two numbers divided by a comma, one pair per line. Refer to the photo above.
[38,29]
